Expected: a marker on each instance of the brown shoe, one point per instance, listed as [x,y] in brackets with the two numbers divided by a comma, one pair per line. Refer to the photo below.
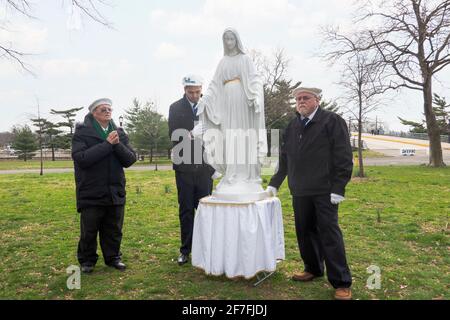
[343,294]
[303,276]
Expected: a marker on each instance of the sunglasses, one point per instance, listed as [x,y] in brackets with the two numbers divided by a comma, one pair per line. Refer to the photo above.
[304,98]
[105,110]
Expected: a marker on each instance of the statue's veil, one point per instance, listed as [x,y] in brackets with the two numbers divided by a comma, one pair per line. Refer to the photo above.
[239,45]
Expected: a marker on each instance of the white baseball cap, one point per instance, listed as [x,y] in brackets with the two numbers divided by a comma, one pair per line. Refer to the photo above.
[192,80]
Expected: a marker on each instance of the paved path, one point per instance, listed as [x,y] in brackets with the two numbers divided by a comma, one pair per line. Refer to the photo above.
[390,146]
[67,170]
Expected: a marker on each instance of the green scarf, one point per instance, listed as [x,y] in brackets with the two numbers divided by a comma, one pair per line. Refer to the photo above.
[102,133]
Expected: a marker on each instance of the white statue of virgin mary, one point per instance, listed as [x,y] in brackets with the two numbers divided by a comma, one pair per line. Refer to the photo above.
[233,105]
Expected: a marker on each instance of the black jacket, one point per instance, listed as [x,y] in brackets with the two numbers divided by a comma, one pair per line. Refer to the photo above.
[182,117]
[318,161]
[99,175]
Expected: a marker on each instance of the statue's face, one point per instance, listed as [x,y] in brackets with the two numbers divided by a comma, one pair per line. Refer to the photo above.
[230,41]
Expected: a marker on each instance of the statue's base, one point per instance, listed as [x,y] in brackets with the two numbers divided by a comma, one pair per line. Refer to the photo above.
[240,197]
[238,239]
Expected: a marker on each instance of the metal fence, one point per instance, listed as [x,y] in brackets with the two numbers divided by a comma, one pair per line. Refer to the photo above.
[47,155]
[420,136]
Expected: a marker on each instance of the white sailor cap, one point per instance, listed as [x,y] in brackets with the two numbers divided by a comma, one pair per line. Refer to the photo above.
[100,102]
[314,91]
[192,80]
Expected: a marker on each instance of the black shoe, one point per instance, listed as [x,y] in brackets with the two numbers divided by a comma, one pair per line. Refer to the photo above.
[182,259]
[119,265]
[87,268]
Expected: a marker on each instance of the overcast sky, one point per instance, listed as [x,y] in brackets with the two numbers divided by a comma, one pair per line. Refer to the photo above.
[155,43]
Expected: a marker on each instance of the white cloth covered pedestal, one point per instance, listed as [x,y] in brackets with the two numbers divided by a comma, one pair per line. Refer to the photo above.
[238,239]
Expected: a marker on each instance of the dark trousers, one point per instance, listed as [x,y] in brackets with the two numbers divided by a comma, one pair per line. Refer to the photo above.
[191,186]
[320,239]
[107,222]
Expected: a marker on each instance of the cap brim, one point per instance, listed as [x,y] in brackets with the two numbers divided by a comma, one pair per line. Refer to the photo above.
[297,91]
[192,85]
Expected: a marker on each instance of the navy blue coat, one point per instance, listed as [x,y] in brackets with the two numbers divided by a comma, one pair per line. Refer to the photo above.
[182,117]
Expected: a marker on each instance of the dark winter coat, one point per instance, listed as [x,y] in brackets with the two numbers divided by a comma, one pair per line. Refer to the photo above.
[181,116]
[99,175]
[318,160]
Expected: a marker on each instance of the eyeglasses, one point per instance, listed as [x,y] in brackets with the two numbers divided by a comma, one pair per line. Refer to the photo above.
[105,110]
[304,98]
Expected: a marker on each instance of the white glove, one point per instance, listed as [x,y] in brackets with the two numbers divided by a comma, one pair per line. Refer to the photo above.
[197,131]
[272,190]
[216,175]
[336,199]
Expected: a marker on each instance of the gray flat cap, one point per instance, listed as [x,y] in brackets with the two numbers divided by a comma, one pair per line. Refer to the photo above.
[314,91]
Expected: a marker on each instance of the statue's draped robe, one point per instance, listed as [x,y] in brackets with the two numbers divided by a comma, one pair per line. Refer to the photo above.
[235,100]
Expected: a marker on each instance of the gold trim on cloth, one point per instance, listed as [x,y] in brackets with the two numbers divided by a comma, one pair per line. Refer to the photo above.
[237,204]
[207,201]
[232,80]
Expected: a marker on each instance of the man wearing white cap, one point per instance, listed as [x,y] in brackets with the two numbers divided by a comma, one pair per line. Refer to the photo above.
[100,151]
[193,175]
[316,155]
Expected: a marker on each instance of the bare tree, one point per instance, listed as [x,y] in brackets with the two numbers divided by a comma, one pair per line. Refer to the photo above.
[89,8]
[412,39]
[278,101]
[361,78]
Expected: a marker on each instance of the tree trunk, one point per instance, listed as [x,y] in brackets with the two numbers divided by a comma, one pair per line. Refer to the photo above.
[360,145]
[151,155]
[434,135]
[53,153]
[360,150]
[42,161]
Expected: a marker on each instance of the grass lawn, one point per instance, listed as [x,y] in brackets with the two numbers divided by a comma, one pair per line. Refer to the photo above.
[369,154]
[397,219]
[36,164]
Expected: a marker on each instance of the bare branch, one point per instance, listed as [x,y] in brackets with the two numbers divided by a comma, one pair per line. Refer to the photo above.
[16,57]
[90,8]
[21,6]
[362,74]
[442,66]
